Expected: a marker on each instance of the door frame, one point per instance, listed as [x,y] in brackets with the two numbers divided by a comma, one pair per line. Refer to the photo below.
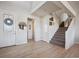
[33,37]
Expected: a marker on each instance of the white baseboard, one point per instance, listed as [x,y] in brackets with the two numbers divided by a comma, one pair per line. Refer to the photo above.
[21,43]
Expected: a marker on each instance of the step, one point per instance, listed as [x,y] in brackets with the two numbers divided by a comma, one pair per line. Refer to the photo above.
[60,34]
[61,30]
[63,27]
[61,37]
[60,40]
[63,46]
[58,43]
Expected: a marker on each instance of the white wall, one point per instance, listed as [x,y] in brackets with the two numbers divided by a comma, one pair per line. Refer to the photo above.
[37,29]
[42,30]
[77,29]
[48,31]
[74,31]
[20,36]
[70,35]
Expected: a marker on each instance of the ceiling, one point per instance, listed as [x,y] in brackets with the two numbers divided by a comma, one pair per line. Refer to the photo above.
[46,8]
[19,6]
[57,7]
[28,6]
[75,5]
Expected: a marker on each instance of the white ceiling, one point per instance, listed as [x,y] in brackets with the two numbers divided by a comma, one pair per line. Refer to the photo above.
[75,5]
[45,9]
[56,6]
[28,6]
[21,6]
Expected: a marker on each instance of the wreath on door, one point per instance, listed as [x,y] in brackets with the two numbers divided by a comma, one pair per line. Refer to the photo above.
[8,21]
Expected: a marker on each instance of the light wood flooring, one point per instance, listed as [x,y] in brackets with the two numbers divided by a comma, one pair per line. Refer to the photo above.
[38,49]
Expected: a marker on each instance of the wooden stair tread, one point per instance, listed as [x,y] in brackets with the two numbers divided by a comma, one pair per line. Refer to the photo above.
[58,39]
[58,43]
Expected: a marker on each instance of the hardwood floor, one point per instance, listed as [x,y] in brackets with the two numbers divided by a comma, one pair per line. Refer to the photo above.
[38,49]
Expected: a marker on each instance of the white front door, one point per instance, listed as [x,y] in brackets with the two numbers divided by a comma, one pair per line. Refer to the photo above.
[8,39]
[7,32]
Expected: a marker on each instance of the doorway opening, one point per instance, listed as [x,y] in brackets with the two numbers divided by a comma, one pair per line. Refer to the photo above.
[30,30]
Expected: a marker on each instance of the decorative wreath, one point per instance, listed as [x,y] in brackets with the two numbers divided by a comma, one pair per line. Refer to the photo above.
[8,21]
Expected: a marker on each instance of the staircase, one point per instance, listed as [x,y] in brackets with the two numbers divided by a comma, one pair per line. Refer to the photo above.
[59,37]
